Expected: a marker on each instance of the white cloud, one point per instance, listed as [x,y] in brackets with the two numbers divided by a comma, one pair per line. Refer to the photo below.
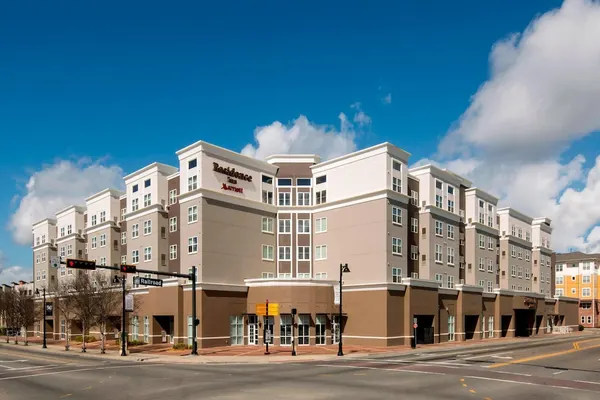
[543,93]
[57,186]
[387,99]
[305,137]
[15,273]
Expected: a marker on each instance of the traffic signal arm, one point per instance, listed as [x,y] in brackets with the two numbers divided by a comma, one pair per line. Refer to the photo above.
[128,269]
[81,264]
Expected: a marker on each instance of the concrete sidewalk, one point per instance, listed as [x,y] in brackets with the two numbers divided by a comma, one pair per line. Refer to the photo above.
[255,354]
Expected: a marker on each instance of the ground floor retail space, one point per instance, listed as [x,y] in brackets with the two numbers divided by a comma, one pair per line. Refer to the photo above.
[305,312]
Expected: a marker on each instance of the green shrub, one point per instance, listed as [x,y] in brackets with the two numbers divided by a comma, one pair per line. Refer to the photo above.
[181,346]
[135,343]
[3,331]
[88,339]
[581,327]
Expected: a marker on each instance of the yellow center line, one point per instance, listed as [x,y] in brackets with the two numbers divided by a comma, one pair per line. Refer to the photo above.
[472,391]
[464,385]
[66,395]
[576,347]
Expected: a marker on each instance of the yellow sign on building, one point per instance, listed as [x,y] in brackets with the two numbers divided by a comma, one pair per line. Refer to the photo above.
[261,309]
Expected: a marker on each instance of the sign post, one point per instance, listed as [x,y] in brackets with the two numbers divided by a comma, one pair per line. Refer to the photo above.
[267,330]
[414,339]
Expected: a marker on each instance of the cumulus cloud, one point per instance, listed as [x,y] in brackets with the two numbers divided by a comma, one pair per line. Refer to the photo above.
[57,186]
[13,273]
[305,137]
[543,93]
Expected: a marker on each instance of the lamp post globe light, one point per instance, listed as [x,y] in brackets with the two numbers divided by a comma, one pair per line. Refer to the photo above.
[37,292]
[343,269]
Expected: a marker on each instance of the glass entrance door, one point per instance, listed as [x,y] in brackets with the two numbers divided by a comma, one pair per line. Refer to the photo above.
[252,330]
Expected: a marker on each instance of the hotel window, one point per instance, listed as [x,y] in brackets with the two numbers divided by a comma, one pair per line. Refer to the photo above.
[147,199]
[414,197]
[102,216]
[304,226]
[513,251]
[173,224]
[414,252]
[450,282]
[481,241]
[490,286]
[527,274]
[135,256]
[284,198]
[134,207]
[438,253]
[439,278]
[527,255]
[103,240]
[62,231]
[490,243]
[438,184]
[103,261]
[450,256]
[37,241]
[414,225]
[192,163]
[397,246]
[586,279]
[37,259]
[397,275]
[43,275]
[193,245]
[135,231]
[321,197]
[285,253]
[284,182]
[451,205]
[304,253]
[62,251]
[69,249]
[513,230]
[192,214]
[173,252]
[439,228]
[267,196]
[482,283]
[513,271]
[37,276]
[123,212]
[560,280]
[321,179]
[134,188]
[268,252]
[43,257]
[396,184]
[586,266]
[520,233]
[321,252]
[586,292]
[267,225]
[147,227]
[94,242]
[520,253]
[520,273]
[321,275]
[69,229]
[490,266]
[481,264]
[93,220]
[123,260]
[285,330]
[397,215]
[192,183]
[303,329]
[172,196]
[303,199]
[285,226]
[559,267]
[147,183]
[321,329]
[147,254]
[303,181]
[438,200]
[451,327]
[321,225]
[528,236]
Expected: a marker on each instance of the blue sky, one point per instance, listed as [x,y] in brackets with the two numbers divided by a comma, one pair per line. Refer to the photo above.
[131,82]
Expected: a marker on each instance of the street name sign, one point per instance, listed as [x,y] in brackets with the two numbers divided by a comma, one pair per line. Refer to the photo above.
[148,281]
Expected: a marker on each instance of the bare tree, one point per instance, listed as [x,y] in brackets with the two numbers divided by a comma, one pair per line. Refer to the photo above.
[82,296]
[26,310]
[107,304]
[11,314]
[65,304]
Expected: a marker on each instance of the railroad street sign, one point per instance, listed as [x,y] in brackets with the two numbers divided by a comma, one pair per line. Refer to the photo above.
[148,281]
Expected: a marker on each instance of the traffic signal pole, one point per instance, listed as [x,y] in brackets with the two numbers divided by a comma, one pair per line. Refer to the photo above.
[128,269]
[123,319]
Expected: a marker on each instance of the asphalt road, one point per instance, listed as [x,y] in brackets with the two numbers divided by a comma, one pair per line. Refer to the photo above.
[562,371]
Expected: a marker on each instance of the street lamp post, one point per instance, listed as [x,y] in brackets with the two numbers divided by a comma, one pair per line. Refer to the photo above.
[123,281]
[37,291]
[343,269]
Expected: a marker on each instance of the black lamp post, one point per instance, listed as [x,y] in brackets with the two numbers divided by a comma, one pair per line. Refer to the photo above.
[37,291]
[294,331]
[123,281]
[343,269]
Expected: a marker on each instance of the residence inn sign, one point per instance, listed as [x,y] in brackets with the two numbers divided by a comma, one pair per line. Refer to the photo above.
[232,176]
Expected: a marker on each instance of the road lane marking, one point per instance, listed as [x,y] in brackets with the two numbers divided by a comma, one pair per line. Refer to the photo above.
[87,388]
[592,383]
[527,383]
[558,372]
[512,373]
[64,396]
[503,357]
[464,385]
[541,356]
[379,369]
[462,379]
[472,391]
[79,370]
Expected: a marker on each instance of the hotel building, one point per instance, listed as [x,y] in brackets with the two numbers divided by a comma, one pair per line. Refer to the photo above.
[578,276]
[421,245]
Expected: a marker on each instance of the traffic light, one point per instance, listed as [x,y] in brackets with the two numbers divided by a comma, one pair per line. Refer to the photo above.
[128,269]
[81,264]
